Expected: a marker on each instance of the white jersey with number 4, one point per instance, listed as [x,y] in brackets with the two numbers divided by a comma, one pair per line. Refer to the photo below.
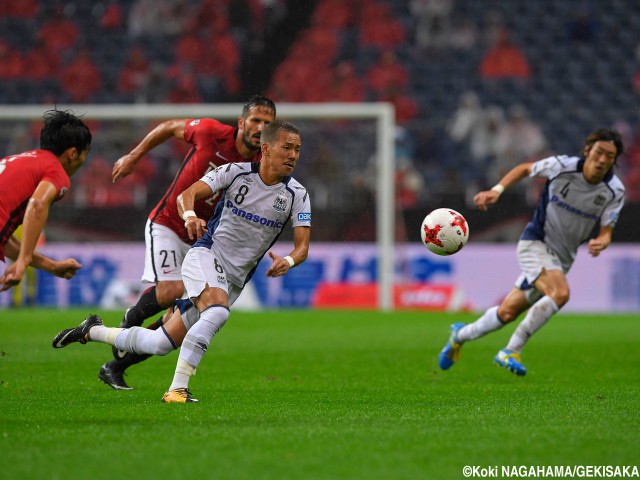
[250,216]
[570,207]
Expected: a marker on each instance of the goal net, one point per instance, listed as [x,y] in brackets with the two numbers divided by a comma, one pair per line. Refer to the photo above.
[347,164]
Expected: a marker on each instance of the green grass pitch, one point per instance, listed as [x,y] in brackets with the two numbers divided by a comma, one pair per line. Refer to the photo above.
[320,395]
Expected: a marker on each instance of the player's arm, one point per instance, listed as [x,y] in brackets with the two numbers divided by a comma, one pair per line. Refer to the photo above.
[491,196]
[602,241]
[163,132]
[61,268]
[33,223]
[186,203]
[281,265]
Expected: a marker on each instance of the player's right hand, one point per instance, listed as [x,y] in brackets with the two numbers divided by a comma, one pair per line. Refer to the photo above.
[123,167]
[196,227]
[486,198]
[12,276]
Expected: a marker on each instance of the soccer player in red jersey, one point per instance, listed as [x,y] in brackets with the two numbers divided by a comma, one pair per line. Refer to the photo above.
[166,238]
[30,182]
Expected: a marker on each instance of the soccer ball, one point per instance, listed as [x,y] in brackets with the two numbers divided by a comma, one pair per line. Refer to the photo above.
[444,231]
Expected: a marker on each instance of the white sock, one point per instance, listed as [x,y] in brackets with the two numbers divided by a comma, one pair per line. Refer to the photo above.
[103,334]
[182,375]
[539,313]
[196,343]
[487,323]
[143,340]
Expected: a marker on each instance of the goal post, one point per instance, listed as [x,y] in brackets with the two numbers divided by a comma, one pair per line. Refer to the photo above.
[381,114]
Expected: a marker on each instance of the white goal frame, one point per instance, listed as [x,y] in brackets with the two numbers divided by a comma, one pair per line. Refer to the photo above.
[382,113]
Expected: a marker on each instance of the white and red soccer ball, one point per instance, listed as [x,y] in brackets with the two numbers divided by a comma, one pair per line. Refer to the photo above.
[444,231]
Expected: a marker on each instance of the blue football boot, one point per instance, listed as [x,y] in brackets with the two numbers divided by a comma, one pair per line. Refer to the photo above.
[511,361]
[451,351]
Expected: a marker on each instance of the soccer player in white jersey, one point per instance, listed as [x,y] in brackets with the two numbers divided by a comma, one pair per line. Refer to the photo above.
[580,193]
[257,202]
[166,240]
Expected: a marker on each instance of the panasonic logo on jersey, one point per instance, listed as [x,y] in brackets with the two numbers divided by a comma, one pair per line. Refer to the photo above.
[252,217]
[571,209]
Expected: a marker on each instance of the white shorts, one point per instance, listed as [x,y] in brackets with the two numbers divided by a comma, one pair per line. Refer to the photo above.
[533,257]
[164,254]
[200,268]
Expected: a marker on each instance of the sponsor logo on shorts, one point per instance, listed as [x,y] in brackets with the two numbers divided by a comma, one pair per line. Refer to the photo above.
[252,217]
[304,217]
[222,279]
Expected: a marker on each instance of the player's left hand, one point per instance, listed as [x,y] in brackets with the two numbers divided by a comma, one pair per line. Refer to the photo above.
[279,266]
[66,268]
[597,245]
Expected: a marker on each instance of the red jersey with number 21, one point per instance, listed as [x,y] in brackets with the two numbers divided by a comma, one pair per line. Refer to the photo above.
[19,176]
[214,144]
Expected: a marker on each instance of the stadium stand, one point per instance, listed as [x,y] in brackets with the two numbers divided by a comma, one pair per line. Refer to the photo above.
[582,61]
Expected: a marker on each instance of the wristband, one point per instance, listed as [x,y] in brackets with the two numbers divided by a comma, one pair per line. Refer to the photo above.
[498,188]
[290,261]
[187,214]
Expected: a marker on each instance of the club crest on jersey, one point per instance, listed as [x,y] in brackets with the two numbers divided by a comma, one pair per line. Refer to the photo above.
[280,204]
[600,200]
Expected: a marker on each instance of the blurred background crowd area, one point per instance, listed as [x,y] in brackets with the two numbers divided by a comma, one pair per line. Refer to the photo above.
[478,86]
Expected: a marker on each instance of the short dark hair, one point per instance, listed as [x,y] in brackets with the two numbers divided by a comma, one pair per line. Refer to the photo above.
[272,130]
[257,101]
[62,130]
[605,135]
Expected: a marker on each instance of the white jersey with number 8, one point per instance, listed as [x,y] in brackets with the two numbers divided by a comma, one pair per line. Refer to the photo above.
[251,216]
